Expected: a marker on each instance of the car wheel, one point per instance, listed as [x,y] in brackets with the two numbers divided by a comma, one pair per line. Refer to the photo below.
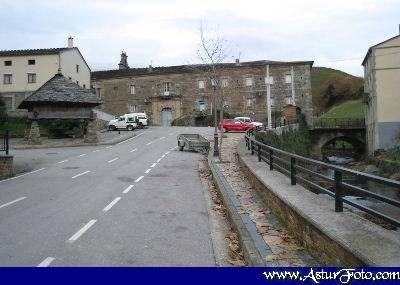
[224,130]
[129,128]
[140,125]
[112,128]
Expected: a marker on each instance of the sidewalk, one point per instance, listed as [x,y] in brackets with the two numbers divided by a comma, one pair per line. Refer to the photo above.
[105,138]
[275,244]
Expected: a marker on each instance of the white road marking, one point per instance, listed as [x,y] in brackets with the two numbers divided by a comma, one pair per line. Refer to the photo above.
[62,161]
[158,160]
[96,150]
[82,155]
[148,170]
[113,202]
[163,156]
[80,174]
[46,262]
[171,134]
[12,202]
[114,159]
[167,153]
[149,143]
[138,135]
[127,189]
[133,150]
[109,146]
[82,231]
[154,164]
[15,177]
[162,138]
[140,178]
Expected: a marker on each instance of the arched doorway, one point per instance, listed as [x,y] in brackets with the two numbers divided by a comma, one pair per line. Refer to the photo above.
[166,117]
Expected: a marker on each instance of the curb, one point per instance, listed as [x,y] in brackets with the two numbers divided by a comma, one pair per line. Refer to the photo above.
[74,145]
[250,252]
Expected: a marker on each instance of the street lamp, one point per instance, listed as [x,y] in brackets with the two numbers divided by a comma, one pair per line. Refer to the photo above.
[216,150]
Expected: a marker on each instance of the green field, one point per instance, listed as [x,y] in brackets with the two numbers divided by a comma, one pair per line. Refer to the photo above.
[348,109]
[17,126]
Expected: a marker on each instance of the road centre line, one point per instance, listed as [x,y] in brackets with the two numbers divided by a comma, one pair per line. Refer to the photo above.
[133,150]
[79,233]
[62,161]
[163,156]
[167,153]
[128,189]
[46,262]
[22,175]
[109,146]
[131,138]
[97,150]
[140,178]
[113,202]
[12,202]
[80,174]
[114,159]
[83,154]
[162,138]
[154,164]
[158,160]
[148,170]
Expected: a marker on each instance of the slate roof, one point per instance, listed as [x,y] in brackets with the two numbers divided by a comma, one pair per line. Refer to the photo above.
[31,51]
[370,49]
[60,89]
[105,74]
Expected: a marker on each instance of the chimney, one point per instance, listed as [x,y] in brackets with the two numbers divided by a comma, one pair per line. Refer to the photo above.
[123,64]
[70,42]
[237,62]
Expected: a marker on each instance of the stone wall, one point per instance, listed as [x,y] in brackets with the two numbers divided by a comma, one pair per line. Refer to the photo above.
[185,93]
[16,99]
[6,163]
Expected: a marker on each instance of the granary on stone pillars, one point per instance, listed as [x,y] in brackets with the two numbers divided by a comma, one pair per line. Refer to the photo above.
[60,98]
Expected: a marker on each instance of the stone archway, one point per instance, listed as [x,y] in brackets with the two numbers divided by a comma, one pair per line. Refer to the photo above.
[343,146]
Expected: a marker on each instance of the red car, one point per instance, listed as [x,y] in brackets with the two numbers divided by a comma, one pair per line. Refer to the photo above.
[232,125]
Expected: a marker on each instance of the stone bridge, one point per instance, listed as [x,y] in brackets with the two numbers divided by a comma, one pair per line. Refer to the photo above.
[326,131]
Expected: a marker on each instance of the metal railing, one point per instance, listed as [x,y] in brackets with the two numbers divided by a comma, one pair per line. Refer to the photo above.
[310,172]
[339,123]
[5,142]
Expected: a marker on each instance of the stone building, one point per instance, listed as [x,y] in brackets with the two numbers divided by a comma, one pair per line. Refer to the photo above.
[167,93]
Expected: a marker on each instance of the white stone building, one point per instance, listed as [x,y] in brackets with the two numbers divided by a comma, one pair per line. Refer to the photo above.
[382,94]
[25,71]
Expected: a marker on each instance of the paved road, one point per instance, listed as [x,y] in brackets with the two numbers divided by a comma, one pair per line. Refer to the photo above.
[137,203]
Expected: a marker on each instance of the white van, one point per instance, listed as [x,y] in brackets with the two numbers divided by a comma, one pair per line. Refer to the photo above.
[142,119]
[126,121]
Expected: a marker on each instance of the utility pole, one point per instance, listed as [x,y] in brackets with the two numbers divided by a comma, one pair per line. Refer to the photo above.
[216,150]
[267,82]
[292,81]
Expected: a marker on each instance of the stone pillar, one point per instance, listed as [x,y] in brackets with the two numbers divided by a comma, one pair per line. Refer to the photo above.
[32,132]
[91,135]
[6,163]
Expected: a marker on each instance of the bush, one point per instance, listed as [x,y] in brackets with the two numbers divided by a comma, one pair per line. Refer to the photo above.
[58,128]
[3,111]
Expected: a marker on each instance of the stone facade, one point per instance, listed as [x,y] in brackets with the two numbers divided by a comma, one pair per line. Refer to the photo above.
[6,163]
[178,89]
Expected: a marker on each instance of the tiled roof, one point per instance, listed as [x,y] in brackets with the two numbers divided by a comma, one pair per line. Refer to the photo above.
[104,74]
[60,89]
[31,51]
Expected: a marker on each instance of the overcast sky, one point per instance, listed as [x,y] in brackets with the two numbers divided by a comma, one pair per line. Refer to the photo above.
[335,33]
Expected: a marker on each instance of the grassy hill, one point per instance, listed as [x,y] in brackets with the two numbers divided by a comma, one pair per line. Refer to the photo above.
[331,87]
[348,109]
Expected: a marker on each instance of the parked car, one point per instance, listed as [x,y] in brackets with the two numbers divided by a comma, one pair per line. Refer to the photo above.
[126,121]
[232,125]
[248,120]
[142,119]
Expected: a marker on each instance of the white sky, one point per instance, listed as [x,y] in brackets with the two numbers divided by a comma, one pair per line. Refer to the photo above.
[167,32]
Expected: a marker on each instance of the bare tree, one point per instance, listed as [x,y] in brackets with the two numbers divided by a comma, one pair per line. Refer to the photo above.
[212,51]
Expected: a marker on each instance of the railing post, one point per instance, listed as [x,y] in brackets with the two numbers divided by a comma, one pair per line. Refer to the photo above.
[271,159]
[259,152]
[7,138]
[338,191]
[251,147]
[293,171]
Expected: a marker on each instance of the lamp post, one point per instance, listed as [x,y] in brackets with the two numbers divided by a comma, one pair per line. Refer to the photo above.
[216,150]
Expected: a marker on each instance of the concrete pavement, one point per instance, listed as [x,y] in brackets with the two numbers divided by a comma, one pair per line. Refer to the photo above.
[137,203]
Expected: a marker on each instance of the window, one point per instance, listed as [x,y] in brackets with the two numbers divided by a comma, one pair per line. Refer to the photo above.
[8,63]
[249,102]
[84,85]
[289,101]
[31,62]
[202,106]
[31,77]
[225,82]
[8,103]
[77,82]
[77,68]
[7,78]
[201,84]
[269,80]
[213,82]
[134,108]
[249,81]
[132,89]
[288,78]
[167,88]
